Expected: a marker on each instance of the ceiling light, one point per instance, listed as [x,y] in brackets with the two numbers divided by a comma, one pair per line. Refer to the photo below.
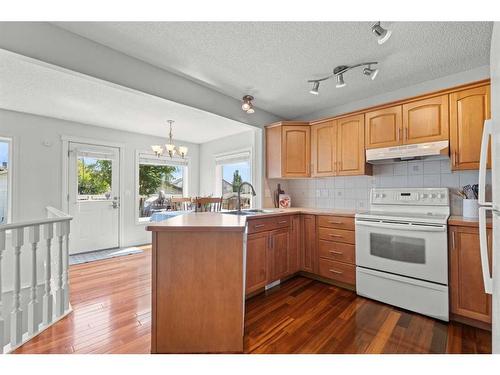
[247,104]
[382,34]
[170,147]
[369,72]
[340,80]
[315,88]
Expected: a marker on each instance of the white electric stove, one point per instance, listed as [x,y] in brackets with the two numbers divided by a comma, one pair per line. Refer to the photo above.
[402,249]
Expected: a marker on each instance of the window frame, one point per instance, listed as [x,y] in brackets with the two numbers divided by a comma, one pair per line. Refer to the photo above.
[232,157]
[10,173]
[175,161]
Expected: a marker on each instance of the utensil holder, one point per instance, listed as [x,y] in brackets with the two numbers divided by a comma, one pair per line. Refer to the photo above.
[470,209]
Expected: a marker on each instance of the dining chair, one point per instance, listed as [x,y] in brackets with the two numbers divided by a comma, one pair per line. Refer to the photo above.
[208,204]
[181,204]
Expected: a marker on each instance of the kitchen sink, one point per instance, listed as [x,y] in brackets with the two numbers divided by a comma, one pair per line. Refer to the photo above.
[247,212]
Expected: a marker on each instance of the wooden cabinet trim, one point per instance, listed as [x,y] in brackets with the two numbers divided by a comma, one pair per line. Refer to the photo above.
[405,100]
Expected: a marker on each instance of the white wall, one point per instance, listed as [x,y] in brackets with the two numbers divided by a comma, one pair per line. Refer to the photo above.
[210,150]
[37,174]
[457,79]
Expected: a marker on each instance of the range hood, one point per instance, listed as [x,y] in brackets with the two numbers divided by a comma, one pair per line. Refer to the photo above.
[407,152]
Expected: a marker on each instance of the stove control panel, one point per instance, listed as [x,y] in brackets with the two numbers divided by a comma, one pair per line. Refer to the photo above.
[410,196]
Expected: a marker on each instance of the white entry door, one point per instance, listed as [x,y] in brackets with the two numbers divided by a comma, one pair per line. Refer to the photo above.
[93,199]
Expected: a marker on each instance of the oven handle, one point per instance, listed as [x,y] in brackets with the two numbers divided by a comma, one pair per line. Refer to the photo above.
[419,228]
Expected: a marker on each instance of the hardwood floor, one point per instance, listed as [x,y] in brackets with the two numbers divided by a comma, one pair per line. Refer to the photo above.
[111,303]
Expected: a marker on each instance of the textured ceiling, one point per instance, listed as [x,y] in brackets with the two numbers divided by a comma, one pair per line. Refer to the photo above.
[38,88]
[274,60]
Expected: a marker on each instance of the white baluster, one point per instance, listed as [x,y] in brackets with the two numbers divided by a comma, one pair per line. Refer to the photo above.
[47,297]
[66,268]
[33,316]
[16,316]
[60,230]
[2,322]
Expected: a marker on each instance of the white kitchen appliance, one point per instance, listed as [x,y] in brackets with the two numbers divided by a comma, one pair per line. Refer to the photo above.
[492,132]
[402,249]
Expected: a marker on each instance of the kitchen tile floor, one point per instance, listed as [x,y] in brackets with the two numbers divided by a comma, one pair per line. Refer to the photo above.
[111,300]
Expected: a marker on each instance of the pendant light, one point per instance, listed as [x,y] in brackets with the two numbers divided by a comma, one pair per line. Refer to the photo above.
[170,147]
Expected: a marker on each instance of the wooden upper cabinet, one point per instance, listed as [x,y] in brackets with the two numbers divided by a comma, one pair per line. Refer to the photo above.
[384,127]
[426,120]
[288,149]
[468,110]
[351,146]
[323,149]
[467,296]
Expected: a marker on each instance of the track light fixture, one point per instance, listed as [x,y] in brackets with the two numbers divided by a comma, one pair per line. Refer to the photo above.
[369,72]
[315,88]
[338,74]
[340,80]
[247,104]
[382,34]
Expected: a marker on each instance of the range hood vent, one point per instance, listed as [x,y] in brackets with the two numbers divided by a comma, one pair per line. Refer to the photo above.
[407,152]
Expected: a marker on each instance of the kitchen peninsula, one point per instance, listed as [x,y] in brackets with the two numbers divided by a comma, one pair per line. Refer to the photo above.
[204,264]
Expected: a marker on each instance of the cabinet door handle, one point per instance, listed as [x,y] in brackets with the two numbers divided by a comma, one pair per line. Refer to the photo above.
[259,225]
[282,222]
[453,240]
[337,272]
[336,235]
[336,252]
[334,222]
[405,134]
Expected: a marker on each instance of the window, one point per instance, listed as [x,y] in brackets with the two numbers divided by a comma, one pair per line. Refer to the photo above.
[94,178]
[232,170]
[5,179]
[159,179]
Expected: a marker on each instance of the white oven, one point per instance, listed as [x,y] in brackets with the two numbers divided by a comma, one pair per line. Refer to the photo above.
[403,248]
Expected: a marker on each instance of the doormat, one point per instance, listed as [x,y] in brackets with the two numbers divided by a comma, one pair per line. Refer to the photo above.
[93,256]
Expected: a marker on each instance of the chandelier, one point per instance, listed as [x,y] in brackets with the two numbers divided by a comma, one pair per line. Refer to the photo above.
[170,147]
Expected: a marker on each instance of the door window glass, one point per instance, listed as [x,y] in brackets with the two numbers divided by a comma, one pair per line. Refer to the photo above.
[94,179]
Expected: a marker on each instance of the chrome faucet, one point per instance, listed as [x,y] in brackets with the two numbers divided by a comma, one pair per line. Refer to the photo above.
[239,193]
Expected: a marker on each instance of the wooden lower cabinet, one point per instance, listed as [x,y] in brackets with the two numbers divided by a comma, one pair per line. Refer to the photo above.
[295,244]
[338,271]
[308,258]
[467,297]
[256,270]
[277,255]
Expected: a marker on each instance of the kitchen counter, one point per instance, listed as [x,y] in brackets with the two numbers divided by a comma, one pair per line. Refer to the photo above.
[199,275]
[465,222]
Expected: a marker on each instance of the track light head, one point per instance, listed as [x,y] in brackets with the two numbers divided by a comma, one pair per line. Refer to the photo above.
[369,72]
[315,88]
[340,80]
[247,104]
[382,34]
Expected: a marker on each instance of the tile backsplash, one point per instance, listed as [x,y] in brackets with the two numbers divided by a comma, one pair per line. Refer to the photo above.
[353,192]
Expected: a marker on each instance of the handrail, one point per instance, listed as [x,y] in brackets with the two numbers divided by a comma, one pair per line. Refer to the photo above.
[29,223]
[57,213]
[42,309]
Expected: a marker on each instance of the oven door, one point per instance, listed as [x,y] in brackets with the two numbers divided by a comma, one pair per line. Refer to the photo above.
[414,250]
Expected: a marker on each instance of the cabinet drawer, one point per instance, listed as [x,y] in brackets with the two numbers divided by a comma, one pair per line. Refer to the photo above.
[337,235]
[270,223]
[341,252]
[345,273]
[340,222]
